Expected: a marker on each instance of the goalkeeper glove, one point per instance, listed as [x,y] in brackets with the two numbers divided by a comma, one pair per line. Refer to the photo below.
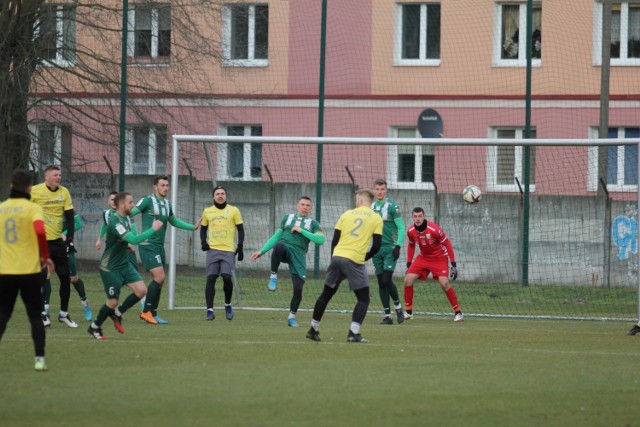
[69,246]
[205,246]
[239,252]
[453,272]
[396,252]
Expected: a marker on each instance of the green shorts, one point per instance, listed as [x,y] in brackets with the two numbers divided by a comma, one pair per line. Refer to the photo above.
[73,265]
[383,260]
[296,259]
[115,279]
[151,256]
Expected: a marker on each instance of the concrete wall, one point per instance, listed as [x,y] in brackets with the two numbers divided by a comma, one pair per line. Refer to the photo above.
[568,236]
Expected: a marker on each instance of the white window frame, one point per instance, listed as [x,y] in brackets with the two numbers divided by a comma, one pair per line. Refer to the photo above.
[522,36]
[492,163]
[251,61]
[392,164]
[624,36]
[222,156]
[592,181]
[422,61]
[129,163]
[155,34]
[60,60]
[34,152]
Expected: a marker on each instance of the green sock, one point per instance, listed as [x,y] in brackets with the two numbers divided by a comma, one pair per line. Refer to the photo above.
[153,295]
[384,298]
[156,300]
[393,293]
[128,303]
[295,303]
[104,312]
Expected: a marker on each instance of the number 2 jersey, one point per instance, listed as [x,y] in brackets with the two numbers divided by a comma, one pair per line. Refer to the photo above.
[432,241]
[357,227]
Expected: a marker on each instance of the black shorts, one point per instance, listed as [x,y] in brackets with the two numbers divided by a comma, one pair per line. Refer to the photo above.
[59,256]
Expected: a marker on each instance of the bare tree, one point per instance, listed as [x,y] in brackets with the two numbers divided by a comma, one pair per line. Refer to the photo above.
[61,63]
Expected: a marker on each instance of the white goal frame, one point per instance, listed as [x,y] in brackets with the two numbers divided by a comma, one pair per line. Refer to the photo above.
[177,139]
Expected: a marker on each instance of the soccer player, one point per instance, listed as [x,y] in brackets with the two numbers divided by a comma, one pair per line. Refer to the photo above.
[435,253]
[76,281]
[354,233]
[57,205]
[385,260]
[116,269]
[156,206]
[105,218]
[220,224]
[25,253]
[290,244]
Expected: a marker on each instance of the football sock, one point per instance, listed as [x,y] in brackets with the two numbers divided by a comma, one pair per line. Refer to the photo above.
[292,315]
[315,324]
[453,299]
[384,298]
[65,291]
[153,290]
[210,290]
[393,293]
[355,327]
[46,294]
[227,287]
[46,309]
[131,300]
[408,298]
[360,310]
[79,286]
[156,300]
[298,283]
[104,312]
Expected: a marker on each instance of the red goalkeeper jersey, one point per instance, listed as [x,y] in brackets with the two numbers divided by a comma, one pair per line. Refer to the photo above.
[433,243]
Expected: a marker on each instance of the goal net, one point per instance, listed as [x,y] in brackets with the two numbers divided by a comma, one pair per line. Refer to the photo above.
[546,240]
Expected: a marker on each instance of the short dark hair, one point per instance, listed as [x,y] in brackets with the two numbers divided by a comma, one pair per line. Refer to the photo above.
[160,177]
[418,210]
[52,167]
[112,193]
[21,179]
[219,187]
[380,182]
[304,198]
[120,197]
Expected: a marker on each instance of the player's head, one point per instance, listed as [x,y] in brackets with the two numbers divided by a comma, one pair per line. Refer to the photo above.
[418,215]
[52,176]
[304,205]
[380,188]
[219,195]
[22,180]
[364,197]
[112,199]
[124,203]
[161,185]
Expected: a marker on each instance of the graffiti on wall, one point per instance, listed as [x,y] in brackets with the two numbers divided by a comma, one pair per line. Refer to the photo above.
[624,233]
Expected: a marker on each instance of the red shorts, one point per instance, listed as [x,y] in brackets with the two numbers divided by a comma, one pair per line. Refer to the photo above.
[422,267]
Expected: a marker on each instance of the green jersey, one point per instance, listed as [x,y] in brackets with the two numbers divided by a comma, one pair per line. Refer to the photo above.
[389,212]
[152,207]
[116,251]
[297,240]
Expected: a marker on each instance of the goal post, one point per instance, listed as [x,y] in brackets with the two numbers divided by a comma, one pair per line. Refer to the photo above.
[582,258]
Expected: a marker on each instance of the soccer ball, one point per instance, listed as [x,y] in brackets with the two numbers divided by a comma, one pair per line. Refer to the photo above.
[471,194]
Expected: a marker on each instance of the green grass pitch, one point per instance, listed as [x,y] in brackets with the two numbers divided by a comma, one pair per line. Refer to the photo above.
[256,371]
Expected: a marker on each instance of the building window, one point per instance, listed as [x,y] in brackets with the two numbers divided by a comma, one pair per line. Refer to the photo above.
[50,145]
[56,33]
[625,33]
[246,35]
[410,166]
[622,161]
[146,150]
[505,163]
[510,47]
[417,34]
[149,32]
[240,161]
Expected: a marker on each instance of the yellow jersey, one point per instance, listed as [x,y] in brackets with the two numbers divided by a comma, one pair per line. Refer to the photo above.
[53,204]
[357,227]
[19,252]
[221,223]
